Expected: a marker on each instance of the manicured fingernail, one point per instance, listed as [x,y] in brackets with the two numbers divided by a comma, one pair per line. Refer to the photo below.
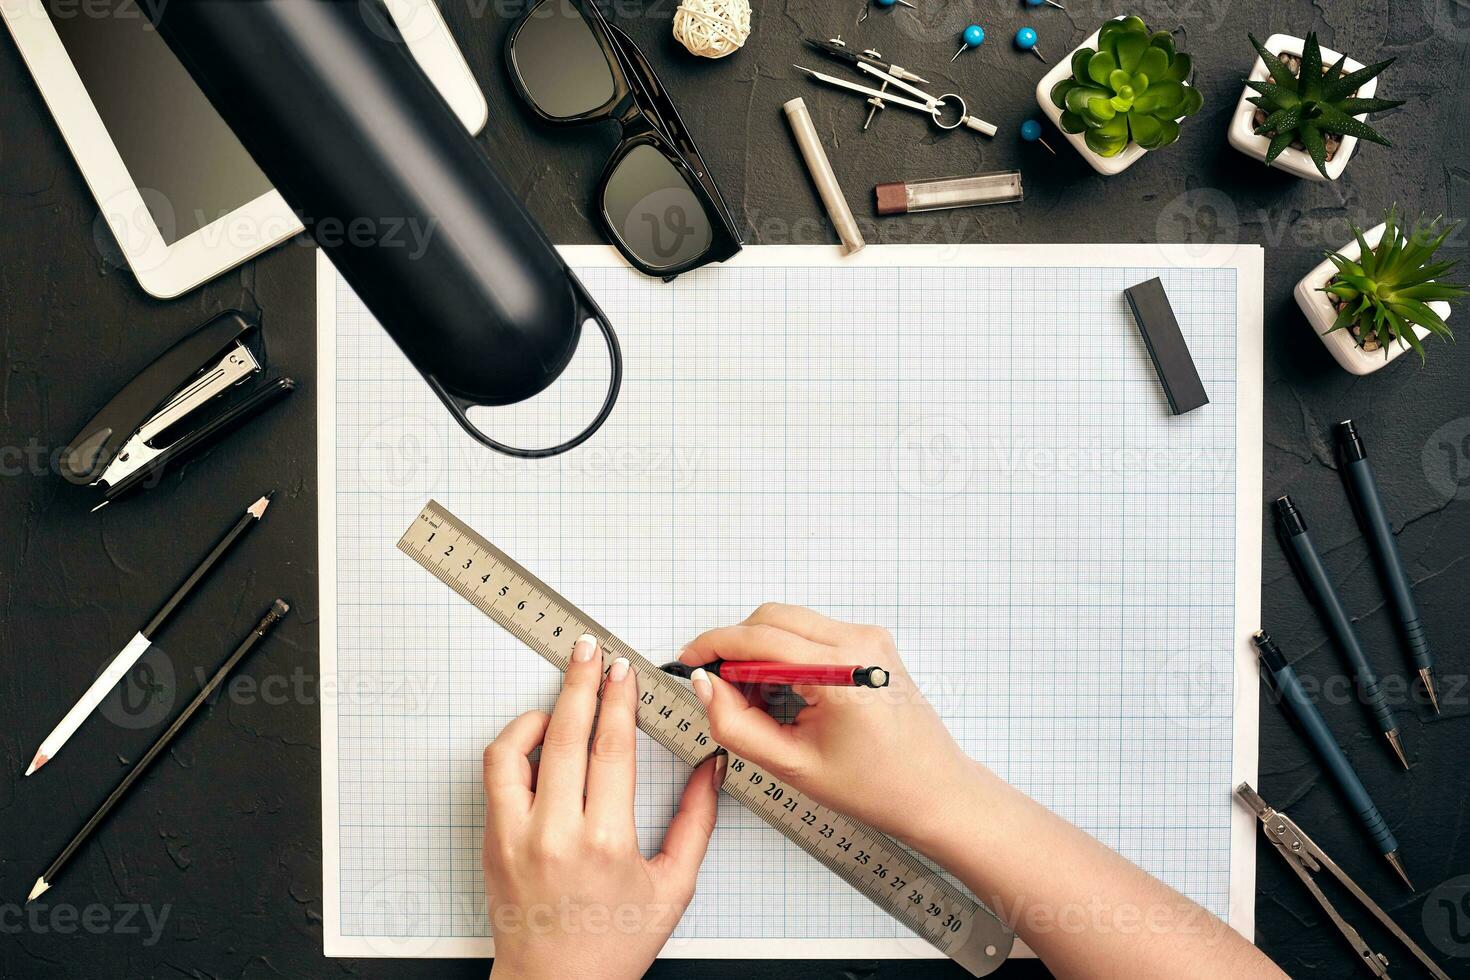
[703,689]
[717,774]
[618,670]
[584,648]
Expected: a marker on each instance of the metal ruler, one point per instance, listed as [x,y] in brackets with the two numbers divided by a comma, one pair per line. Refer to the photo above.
[887,873]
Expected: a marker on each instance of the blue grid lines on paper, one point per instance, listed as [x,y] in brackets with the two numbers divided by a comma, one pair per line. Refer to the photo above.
[980,459]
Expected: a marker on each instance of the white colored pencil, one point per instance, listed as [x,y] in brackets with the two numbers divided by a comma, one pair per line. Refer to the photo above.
[140,642]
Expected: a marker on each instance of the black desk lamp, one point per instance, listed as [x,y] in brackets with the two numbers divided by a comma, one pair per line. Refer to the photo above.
[326,97]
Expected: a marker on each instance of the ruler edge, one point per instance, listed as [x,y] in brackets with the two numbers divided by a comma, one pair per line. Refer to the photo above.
[1004,949]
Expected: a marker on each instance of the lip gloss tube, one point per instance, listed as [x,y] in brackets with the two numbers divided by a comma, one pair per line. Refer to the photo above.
[1002,187]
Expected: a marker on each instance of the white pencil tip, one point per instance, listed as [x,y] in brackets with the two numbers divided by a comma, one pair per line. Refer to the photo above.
[37,890]
[36,763]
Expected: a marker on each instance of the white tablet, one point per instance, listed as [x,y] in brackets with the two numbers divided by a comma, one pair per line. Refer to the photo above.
[183,198]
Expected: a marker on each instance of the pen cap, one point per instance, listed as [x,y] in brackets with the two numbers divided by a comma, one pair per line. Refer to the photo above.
[334,109]
[1269,651]
[1288,517]
[1349,443]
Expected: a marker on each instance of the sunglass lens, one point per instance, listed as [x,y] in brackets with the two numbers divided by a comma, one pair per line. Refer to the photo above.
[559,61]
[655,213]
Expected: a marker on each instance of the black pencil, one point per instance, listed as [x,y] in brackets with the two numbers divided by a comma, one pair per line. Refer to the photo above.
[278,609]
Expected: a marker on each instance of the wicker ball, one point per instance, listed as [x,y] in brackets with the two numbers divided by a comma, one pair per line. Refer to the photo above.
[712,28]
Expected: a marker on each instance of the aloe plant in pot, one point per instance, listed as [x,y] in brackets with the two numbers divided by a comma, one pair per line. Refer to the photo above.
[1382,294]
[1310,109]
[1120,94]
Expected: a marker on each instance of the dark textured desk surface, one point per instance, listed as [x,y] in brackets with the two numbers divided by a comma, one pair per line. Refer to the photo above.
[224,836]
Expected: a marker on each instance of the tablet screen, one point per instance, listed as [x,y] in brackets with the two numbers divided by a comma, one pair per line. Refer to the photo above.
[188,165]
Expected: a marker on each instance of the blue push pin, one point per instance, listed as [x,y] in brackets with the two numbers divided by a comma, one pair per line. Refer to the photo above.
[1037,3]
[1031,133]
[973,37]
[1026,41]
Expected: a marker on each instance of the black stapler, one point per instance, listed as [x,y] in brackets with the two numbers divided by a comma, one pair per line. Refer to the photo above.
[199,389]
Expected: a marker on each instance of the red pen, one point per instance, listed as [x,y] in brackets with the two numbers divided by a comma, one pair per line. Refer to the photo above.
[763,672]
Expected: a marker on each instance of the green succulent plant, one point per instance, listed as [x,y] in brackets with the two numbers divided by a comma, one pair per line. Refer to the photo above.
[1300,108]
[1387,291]
[1131,88]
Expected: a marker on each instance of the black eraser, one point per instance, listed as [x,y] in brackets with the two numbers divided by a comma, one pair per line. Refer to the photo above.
[1166,346]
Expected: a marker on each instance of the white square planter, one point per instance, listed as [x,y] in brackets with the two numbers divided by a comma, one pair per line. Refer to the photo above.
[1243,130]
[1320,312]
[1107,166]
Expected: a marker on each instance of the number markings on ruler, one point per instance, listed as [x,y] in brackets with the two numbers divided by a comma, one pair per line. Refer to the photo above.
[877,866]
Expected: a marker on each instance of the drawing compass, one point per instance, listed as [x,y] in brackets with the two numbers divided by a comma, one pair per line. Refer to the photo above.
[837,48]
[1306,859]
[946,111]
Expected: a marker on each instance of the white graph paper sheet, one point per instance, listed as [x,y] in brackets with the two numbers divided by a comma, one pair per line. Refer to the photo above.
[968,445]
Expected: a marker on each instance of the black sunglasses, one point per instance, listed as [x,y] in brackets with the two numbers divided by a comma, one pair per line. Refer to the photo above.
[656,199]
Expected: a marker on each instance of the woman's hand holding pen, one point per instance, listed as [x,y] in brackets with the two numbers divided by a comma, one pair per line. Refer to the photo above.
[882,756]
[569,893]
